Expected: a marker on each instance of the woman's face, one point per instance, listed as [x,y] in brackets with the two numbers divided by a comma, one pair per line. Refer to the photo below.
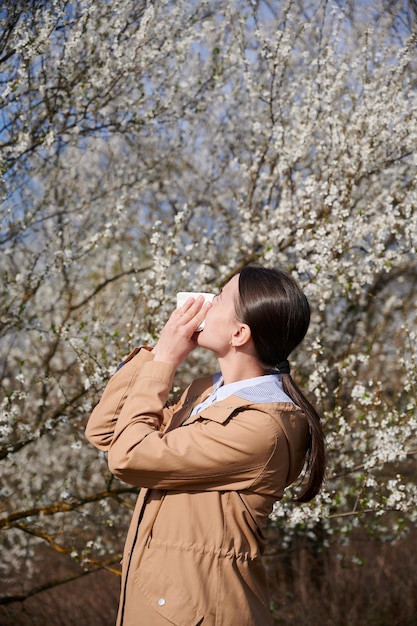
[221,320]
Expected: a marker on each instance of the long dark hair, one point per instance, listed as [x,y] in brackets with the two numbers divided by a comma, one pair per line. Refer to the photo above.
[277,312]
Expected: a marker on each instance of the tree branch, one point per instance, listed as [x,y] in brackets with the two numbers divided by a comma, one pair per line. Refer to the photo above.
[62,507]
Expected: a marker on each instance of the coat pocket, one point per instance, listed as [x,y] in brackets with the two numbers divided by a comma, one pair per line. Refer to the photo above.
[177,585]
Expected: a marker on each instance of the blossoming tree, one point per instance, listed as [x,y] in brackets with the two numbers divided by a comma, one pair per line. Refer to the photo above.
[148,148]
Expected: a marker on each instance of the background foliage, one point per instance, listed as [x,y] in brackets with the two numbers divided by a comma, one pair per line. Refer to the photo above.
[147,148]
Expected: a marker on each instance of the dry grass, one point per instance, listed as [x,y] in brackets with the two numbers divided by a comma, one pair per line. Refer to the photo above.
[321,589]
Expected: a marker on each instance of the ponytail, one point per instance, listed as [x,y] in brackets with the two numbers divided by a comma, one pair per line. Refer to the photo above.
[316,455]
[278,314]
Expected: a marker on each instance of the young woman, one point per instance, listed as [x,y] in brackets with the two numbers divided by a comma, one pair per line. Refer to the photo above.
[211,466]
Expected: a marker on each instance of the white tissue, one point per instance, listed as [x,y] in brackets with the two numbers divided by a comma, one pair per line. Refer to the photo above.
[183,296]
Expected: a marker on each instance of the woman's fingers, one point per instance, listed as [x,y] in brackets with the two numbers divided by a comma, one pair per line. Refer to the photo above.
[192,312]
[177,338]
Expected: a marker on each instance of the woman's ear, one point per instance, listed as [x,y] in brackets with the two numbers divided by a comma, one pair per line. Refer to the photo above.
[241,335]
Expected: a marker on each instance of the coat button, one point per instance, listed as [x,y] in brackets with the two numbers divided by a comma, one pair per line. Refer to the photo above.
[161,601]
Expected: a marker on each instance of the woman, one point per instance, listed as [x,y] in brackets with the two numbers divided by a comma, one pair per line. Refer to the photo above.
[212,465]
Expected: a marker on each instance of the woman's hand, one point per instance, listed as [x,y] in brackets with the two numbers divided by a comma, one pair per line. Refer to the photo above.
[178,337]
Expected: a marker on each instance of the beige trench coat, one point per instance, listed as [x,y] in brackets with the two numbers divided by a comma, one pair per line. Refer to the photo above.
[193,551]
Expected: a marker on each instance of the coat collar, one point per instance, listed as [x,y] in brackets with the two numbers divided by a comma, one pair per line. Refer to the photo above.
[219,411]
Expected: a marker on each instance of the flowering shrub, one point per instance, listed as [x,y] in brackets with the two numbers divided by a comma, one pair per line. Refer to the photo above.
[148,148]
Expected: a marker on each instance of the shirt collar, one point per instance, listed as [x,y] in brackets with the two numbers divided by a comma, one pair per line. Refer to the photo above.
[224,391]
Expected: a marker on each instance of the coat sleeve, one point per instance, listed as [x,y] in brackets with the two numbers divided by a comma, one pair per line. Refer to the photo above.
[206,454]
[102,422]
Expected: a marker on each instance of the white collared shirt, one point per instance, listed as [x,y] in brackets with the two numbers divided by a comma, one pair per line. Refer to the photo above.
[266,388]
